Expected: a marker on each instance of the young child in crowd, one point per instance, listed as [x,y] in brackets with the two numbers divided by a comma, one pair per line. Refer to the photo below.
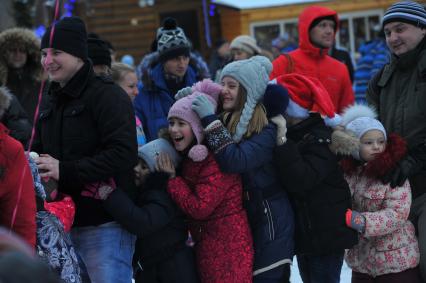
[244,143]
[387,250]
[211,199]
[162,253]
[125,77]
[311,174]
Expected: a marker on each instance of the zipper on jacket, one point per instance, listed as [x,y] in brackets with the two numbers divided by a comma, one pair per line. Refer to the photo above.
[267,211]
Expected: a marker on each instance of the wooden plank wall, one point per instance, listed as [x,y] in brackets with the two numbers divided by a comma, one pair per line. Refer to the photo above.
[131,29]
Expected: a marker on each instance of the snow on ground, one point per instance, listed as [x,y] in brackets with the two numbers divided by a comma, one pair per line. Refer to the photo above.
[345,276]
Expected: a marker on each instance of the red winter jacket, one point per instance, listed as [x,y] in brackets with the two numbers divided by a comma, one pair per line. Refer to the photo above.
[315,62]
[14,167]
[218,223]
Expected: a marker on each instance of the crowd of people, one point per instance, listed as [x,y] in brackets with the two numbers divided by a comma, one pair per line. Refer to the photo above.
[179,171]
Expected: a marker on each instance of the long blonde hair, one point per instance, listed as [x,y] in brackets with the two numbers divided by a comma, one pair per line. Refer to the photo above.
[257,122]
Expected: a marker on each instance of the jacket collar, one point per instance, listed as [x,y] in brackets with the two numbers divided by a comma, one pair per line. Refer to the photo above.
[383,163]
[77,84]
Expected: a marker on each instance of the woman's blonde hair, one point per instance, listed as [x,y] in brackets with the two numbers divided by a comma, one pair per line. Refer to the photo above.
[257,122]
[119,70]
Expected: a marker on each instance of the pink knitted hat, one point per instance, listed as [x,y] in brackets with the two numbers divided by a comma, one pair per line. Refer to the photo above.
[182,109]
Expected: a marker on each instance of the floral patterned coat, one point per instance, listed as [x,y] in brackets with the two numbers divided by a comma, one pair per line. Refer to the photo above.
[218,223]
[388,244]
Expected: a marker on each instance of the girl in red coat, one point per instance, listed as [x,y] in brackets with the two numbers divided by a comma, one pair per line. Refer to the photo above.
[211,199]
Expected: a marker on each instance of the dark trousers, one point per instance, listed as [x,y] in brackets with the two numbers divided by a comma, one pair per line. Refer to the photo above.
[320,268]
[177,269]
[406,276]
[280,274]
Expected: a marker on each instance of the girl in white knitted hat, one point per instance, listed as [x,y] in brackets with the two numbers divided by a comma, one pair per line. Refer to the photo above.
[387,250]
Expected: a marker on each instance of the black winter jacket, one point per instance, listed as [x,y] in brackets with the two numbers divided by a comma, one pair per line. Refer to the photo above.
[89,126]
[317,189]
[15,118]
[154,218]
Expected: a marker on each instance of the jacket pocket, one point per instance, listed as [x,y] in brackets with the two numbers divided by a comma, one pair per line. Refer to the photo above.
[74,122]
[398,239]
[420,96]
[372,199]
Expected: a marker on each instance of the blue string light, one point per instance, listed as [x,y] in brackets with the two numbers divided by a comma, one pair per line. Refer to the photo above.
[68,8]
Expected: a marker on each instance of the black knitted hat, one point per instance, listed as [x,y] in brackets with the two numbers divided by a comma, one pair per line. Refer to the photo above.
[172,41]
[98,52]
[69,35]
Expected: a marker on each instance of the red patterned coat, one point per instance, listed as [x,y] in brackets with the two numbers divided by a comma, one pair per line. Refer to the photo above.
[218,223]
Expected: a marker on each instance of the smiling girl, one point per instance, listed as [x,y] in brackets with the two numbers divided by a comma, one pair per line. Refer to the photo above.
[387,250]
[244,143]
[211,199]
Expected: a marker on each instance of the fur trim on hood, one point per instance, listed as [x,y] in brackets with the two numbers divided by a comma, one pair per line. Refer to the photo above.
[20,38]
[5,99]
[343,142]
[150,60]
[396,149]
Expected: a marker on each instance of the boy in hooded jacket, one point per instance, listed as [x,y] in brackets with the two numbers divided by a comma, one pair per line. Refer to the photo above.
[162,252]
[311,175]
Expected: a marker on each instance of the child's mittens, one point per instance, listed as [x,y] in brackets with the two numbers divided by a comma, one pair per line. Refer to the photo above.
[202,106]
[281,123]
[183,92]
[99,190]
[355,220]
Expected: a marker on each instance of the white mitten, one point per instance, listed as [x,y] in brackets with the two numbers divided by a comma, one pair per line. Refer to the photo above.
[281,123]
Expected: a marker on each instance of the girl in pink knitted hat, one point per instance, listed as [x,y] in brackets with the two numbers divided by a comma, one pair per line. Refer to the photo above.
[211,199]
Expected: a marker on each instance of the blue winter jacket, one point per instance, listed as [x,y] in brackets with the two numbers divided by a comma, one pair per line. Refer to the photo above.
[268,208]
[154,101]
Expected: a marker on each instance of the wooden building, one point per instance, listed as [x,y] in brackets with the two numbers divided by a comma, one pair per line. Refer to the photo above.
[268,19]
[130,25]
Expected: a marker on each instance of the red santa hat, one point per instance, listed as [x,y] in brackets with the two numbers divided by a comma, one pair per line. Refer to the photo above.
[307,94]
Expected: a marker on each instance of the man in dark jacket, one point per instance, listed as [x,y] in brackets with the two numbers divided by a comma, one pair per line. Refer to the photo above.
[398,93]
[86,139]
[15,118]
[20,68]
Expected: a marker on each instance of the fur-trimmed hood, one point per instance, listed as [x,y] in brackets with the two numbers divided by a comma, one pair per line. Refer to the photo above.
[18,38]
[5,99]
[386,161]
[149,61]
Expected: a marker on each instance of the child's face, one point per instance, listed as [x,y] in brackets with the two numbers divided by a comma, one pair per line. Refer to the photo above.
[181,133]
[229,93]
[141,171]
[372,143]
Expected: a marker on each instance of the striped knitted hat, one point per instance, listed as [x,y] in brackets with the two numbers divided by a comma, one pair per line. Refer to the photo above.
[406,11]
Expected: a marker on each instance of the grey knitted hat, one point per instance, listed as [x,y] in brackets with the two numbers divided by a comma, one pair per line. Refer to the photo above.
[360,119]
[245,43]
[150,151]
[172,41]
[406,11]
[253,75]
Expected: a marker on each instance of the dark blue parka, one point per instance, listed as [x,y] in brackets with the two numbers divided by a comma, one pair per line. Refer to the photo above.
[155,99]
[268,208]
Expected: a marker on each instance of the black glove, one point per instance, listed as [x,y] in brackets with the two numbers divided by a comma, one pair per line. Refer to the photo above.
[406,168]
